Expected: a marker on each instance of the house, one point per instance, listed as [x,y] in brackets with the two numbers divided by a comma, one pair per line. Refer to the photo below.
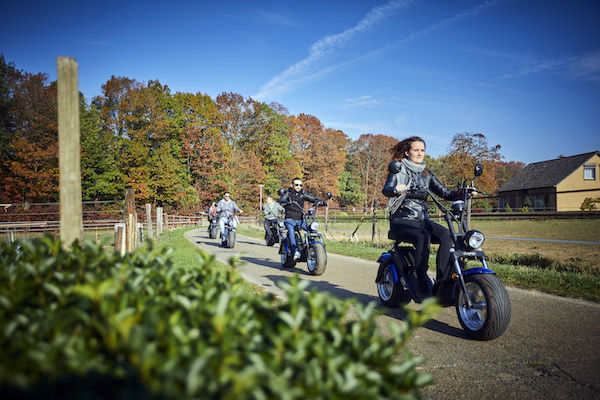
[554,185]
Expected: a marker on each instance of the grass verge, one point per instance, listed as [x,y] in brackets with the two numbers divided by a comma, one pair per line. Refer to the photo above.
[187,254]
[562,283]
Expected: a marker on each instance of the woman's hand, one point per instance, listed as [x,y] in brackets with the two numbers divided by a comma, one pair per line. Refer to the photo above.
[401,188]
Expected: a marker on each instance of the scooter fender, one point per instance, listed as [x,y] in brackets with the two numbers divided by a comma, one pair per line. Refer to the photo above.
[477,270]
[467,272]
[386,259]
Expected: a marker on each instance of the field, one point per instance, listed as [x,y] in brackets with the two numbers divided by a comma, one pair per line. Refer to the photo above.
[574,257]
[565,269]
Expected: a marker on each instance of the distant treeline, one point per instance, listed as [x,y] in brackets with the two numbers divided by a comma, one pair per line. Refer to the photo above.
[183,150]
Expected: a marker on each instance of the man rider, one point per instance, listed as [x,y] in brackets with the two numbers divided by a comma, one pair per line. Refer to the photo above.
[293,202]
[226,207]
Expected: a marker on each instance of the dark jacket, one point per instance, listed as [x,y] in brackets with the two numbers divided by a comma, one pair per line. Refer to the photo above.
[293,202]
[414,205]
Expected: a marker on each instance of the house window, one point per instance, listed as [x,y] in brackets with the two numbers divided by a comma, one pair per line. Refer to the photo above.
[589,172]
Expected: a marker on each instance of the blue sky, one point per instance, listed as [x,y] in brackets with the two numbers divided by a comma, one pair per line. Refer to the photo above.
[524,73]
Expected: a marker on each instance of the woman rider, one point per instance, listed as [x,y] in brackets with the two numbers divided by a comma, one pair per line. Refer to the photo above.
[410,223]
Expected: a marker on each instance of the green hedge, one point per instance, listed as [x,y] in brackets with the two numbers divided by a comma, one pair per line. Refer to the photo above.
[92,324]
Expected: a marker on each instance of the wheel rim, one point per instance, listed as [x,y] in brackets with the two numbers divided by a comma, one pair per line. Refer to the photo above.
[311,260]
[475,316]
[385,287]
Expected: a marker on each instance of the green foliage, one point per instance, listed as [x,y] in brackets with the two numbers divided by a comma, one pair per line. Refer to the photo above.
[350,192]
[508,208]
[140,326]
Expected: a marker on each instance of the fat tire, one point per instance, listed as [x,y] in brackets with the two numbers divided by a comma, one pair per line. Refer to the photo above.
[399,296]
[231,240]
[320,257]
[287,260]
[213,233]
[497,307]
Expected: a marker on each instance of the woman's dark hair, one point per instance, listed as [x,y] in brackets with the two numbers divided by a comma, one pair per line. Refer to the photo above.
[400,149]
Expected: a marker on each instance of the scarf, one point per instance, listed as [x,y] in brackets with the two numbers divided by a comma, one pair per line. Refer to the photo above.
[413,167]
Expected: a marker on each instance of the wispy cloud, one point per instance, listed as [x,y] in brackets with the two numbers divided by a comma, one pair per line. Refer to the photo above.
[312,67]
[583,67]
[361,101]
[271,17]
[316,66]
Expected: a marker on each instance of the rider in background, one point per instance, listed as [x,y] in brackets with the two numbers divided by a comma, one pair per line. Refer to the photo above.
[212,211]
[271,210]
[410,222]
[293,202]
[226,207]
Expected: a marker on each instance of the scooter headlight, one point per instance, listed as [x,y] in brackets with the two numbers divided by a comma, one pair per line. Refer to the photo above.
[314,226]
[474,239]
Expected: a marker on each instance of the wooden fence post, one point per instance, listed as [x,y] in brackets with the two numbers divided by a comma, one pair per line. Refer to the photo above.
[120,238]
[130,221]
[149,220]
[69,167]
[159,221]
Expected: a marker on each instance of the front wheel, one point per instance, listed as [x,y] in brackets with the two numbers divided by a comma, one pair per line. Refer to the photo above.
[214,232]
[390,293]
[231,239]
[489,314]
[316,259]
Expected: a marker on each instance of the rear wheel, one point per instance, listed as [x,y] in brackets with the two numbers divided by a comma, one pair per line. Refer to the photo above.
[390,293]
[489,314]
[316,259]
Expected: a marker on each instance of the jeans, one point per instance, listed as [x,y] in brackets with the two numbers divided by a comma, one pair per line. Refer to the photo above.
[421,234]
[270,224]
[222,222]
[291,224]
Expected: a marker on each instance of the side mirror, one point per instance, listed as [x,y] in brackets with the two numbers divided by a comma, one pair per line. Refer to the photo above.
[329,195]
[478,170]
[280,192]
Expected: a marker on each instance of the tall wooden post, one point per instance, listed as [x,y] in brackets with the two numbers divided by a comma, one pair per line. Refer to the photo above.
[71,221]
[149,219]
[130,221]
[159,221]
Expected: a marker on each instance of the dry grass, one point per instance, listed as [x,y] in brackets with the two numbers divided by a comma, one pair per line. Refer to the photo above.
[559,256]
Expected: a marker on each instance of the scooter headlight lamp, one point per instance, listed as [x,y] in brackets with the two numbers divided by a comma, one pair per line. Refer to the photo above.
[314,226]
[474,239]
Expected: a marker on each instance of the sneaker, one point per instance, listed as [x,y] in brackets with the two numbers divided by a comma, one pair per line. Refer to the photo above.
[296,255]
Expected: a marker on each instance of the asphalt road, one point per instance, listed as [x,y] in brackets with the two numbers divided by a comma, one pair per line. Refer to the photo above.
[551,349]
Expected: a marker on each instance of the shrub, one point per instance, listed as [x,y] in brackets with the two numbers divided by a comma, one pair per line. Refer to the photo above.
[137,326]
[590,204]
[508,208]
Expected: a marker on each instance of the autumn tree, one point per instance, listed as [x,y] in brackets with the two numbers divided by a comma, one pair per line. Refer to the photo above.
[320,153]
[203,146]
[465,151]
[31,163]
[506,170]
[372,155]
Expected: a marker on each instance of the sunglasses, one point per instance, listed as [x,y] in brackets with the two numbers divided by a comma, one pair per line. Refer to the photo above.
[298,184]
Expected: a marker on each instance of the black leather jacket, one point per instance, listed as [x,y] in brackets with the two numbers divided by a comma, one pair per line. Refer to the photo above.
[414,205]
[290,196]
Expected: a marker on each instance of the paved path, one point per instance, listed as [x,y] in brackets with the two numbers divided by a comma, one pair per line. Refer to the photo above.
[551,349]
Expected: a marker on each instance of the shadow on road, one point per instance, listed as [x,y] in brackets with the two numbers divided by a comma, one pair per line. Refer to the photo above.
[334,289]
[398,313]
